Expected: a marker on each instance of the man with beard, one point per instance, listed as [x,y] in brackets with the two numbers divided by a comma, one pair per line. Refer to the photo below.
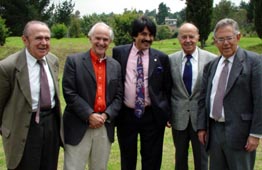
[146,103]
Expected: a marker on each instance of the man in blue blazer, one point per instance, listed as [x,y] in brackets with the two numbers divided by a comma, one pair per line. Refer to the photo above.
[156,101]
[230,113]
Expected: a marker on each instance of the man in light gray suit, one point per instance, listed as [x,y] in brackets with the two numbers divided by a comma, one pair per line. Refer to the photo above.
[230,123]
[185,95]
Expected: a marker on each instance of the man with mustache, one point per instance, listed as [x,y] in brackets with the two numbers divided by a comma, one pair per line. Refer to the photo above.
[146,102]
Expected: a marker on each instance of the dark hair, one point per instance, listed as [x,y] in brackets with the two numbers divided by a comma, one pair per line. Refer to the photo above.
[139,24]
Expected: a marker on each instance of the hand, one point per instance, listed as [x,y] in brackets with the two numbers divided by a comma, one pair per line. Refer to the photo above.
[96,120]
[252,143]
[202,136]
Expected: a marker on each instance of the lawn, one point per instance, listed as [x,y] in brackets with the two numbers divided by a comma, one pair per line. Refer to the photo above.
[66,46]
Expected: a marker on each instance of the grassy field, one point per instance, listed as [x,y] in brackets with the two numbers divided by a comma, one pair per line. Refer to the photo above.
[67,46]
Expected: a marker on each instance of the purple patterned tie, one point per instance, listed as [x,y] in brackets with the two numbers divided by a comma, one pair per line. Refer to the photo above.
[140,89]
[219,96]
[44,102]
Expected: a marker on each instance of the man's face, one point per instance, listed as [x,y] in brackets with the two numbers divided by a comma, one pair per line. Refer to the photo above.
[144,39]
[38,40]
[226,40]
[100,40]
[188,38]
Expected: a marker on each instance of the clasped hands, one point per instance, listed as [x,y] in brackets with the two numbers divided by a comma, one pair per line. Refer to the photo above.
[97,120]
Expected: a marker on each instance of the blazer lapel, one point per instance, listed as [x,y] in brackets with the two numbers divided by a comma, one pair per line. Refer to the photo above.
[153,60]
[23,77]
[87,63]
[53,67]
[235,71]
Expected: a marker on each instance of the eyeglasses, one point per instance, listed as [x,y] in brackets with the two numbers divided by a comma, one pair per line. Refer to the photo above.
[222,40]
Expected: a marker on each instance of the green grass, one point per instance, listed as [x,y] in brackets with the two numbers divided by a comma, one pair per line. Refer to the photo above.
[66,46]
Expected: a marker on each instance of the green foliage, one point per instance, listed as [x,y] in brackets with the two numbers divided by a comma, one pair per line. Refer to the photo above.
[163,11]
[258,17]
[3,31]
[75,28]
[63,12]
[200,13]
[122,27]
[59,31]
[18,13]
[163,32]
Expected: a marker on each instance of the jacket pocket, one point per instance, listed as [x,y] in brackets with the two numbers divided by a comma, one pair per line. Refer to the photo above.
[246,116]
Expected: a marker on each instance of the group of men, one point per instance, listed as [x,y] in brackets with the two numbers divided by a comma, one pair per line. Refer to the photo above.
[213,102]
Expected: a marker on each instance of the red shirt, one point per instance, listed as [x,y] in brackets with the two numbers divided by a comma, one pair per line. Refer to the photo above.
[100,73]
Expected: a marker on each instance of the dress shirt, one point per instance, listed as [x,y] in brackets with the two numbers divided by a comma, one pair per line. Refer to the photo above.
[215,80]
[194,63]
[34,71]
[99,65]
[131,77]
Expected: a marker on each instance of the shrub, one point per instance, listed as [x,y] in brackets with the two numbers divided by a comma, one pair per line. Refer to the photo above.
[59,31]
[3,31]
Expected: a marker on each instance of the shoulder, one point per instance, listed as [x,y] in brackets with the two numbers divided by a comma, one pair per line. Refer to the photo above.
[11,60]
[206,53]
[175,55]
[122,47]
[159,53]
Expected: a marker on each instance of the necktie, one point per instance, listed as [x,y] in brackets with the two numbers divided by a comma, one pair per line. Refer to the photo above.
[44,102]
[219,96]
[187,75]
[140,91]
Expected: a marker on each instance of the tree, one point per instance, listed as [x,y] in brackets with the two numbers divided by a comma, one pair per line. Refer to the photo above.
[200,13]
[163,12]
[63,13]
[3,31]
[258,17]
[18,12]
[224,9]
[122,27]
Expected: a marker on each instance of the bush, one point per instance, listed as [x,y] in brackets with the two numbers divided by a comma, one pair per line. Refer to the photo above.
[59,31]
[3,31]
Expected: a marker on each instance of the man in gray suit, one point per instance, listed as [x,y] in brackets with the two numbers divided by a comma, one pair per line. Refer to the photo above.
[92,88]
[230,113]
[30,142]
[184,101]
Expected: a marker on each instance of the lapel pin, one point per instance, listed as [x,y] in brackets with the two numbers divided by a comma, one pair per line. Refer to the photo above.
[155,59]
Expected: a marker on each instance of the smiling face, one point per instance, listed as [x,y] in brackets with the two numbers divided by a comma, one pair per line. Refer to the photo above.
[100,40]
[188,37]
[226,40]
[144,39]
[37,40]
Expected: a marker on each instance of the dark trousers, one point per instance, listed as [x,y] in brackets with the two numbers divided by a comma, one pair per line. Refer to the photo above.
[151,140]
[223,156]
[182,140]
[42,144]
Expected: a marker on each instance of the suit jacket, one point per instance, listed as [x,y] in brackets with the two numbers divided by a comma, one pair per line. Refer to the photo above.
[159,80]
[184,106]
[79,88]
[16,103]
[242,100]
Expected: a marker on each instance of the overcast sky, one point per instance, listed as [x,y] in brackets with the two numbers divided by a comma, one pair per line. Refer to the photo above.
[88,7]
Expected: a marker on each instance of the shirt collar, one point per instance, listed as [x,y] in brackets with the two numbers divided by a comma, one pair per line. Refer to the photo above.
[31,61]
[194,55]
[94,57]
[134,49]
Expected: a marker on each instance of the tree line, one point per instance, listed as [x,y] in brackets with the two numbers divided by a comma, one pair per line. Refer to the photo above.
[64,22]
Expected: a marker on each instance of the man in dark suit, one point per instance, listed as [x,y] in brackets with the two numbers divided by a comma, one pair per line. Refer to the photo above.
[185,95]
[230,113]
[154,101]
[93,93]
[30,132]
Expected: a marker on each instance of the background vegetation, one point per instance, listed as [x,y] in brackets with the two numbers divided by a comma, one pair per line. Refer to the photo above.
[66,46]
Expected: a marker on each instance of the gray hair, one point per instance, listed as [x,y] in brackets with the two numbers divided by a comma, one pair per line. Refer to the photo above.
[28,24]
[225,22]
[91,32]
